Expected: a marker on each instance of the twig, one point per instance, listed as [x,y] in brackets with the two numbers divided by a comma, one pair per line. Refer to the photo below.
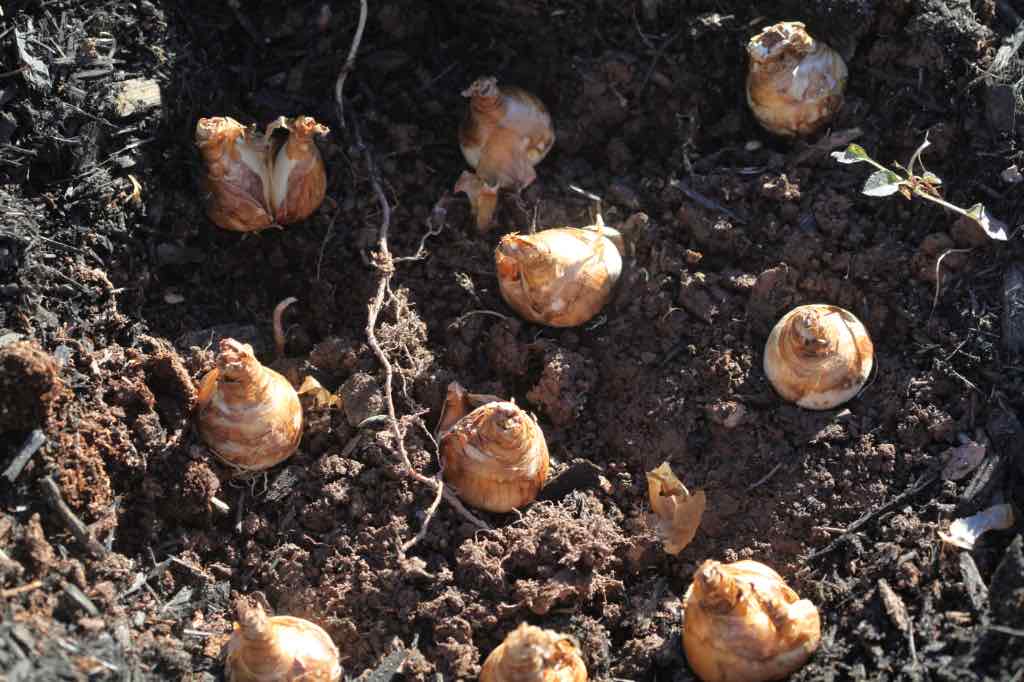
[35,440]
[21,589]
[868,517]
[339,85]
[435,226]
[707,203]
[53,497]
[406,546]
[838,138]
[385,265]
[244,22]
[323,244]
[765,478]
[462,318]
[279,339]
[938,276]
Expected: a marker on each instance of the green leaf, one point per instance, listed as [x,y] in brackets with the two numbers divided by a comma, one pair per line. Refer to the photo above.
[852,154]
[994,227]
[882,183]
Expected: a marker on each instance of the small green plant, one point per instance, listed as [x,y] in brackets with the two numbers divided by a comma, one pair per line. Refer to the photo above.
[885,181]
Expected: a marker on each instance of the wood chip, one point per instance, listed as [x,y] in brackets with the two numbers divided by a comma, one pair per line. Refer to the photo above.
[975,587]
[894,606]
[135,96]
[1013,308]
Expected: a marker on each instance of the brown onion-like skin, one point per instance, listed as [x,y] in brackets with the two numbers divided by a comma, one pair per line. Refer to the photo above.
[248,414]
[532,654]
[505,132]
[744,624]
[299,180]
[278,649]
[818,356]
[254,180]
[795,84]
[560,277]
[495,457]
[677,512]
[234,183]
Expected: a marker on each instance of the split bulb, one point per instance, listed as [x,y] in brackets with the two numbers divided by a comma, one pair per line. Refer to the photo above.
[744,624]
[278,649]
[256,180]
[795,84]
[818,356]
[560,277]
[505,132]
[248,414]
[532,654]
[495,456]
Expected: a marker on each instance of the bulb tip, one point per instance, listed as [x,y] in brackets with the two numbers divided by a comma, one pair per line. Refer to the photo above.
[252,619]
[778,39]
[485,86]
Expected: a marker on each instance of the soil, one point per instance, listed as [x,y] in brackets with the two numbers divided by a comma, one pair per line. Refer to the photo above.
[111,299]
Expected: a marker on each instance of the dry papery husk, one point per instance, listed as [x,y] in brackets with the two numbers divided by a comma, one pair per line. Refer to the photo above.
[677,512]
[795,84]
[560,277]
[278,649]
[248,414]
[744,624]
[818,356]
[532,654]
[505,132]
[495,457]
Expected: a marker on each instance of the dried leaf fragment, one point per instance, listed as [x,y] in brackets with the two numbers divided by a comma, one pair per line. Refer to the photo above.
[677,512]
[894,606]
[313,395]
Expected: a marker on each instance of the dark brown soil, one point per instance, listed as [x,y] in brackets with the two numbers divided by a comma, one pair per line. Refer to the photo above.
[110,304]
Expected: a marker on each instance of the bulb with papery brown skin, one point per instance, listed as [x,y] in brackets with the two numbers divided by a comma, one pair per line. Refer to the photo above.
[743,623]
[495,457]
[532,654]
[561,277]
[299,181]
[795,84]
[818,356]
[234,185]
[248,414]
[252,180]
[278,649]
[505,132]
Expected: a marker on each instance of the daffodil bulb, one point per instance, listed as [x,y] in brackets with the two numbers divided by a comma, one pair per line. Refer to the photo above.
[495,457]
[795,84]
[818,356]
[254,180]
[560,277]
[248,414]
[505,132]
[743,623]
